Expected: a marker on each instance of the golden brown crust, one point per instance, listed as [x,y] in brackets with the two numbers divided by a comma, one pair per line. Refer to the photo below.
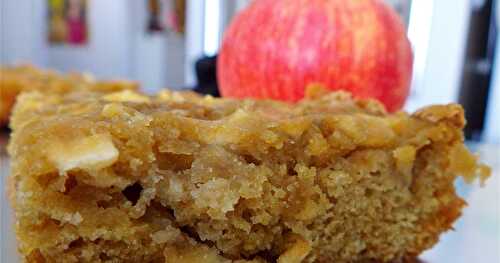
[451,113]
[128,177]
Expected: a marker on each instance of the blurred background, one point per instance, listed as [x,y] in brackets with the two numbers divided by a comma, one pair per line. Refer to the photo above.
[172,43]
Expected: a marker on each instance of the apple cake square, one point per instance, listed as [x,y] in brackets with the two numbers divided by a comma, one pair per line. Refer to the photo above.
[177,177]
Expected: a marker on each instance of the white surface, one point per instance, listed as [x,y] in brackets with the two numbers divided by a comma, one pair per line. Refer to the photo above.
[492,130]
[419,32]
[157,58]
[440,80]
[194,37]
[107,54]
[212,27]
[20,36]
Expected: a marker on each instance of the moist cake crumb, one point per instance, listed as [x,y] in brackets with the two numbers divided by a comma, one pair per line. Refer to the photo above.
[126,177]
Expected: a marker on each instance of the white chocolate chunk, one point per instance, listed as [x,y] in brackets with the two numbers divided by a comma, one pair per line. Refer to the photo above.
[217,196]
[126,96]
[90,153]
[170,95]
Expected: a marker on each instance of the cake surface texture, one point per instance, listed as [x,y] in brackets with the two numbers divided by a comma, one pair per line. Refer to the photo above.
[17,79]
[176,177]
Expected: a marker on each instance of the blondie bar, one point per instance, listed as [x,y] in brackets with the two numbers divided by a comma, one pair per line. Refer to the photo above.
[125,177]
[17,79]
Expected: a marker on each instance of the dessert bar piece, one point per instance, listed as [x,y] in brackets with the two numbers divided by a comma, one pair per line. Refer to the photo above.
[124,177]
[17,79]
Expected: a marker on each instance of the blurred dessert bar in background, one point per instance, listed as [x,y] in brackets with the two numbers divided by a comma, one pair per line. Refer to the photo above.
[17,79]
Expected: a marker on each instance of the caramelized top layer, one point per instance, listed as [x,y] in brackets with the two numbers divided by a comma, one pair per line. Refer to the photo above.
[325,123]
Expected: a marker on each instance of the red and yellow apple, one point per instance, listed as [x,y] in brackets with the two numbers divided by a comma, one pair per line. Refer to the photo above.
[276,48]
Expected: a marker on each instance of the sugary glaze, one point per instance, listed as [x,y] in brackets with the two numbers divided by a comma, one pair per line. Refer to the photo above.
[124,177]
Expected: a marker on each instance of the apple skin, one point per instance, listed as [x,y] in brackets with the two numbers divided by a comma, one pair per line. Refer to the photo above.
[276,48]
